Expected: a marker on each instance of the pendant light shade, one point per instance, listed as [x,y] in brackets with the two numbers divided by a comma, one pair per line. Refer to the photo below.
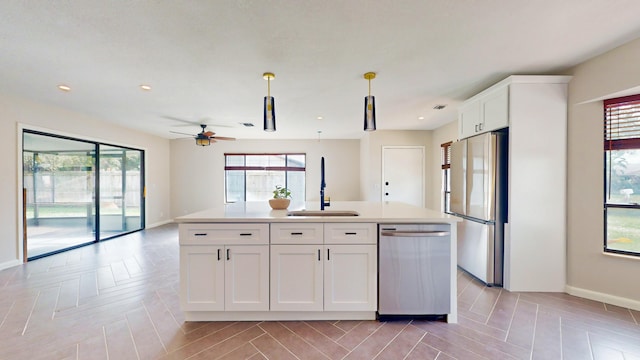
[369,106]
[269,105]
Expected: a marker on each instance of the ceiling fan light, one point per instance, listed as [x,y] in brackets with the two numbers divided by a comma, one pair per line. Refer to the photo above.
[269,114]
[203,141]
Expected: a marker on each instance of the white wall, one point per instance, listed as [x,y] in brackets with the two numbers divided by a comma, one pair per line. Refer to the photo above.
[371,156]
[32,115]
[590,272]
[197,173]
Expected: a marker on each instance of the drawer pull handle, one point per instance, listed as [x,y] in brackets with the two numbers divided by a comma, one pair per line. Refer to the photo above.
[296,233]
[328,254]
[218,254]
[200,234]
[350,233]
[228,256]
[318,254]
[246,234]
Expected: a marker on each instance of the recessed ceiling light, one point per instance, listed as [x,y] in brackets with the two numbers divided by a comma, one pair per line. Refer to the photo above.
[64,87]
[420,117]
[440,107]
[319,118]
[145,87]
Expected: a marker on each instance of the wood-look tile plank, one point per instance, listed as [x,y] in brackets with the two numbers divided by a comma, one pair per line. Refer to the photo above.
[68,295]
[320,341]
[502,314]
[479,344]
[119,342]
[295,344]
[246,351]
[403,344]
[522,327]
[486,301]
[88,285]
[272,349]
[575,343]
[231,344]
[482,328]
[213,339]
[105,278]
[43,309]
[358,334]
[94,346]
[329,329]
[377,341]
[144,334]
[423,351]
[547,342]
[346,325]
[453,349]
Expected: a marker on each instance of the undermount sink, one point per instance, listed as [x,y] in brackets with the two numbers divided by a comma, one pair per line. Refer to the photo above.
[323,213]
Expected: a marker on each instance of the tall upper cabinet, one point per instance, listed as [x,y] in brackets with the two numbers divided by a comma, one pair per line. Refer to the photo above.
[534,108]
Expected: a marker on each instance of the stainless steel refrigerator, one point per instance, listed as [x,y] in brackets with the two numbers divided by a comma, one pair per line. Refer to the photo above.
[479,196]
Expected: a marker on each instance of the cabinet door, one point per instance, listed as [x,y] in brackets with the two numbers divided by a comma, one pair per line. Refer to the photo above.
[201,278]
[469,121]
[247,278]
[495,109]
[350,281]
[296,278]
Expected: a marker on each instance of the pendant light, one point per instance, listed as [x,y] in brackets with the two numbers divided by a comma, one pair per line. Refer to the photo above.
[370,106]
[269,105]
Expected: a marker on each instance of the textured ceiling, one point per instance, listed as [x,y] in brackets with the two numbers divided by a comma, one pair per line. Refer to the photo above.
[205,59]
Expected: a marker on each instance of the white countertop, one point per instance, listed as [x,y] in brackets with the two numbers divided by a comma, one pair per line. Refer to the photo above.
[379,212]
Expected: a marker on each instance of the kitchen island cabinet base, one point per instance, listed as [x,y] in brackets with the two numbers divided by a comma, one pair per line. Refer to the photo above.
[278,315]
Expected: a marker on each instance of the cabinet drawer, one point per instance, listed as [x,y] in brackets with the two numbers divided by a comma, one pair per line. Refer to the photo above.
[224,234]
[296,233]
[350,233]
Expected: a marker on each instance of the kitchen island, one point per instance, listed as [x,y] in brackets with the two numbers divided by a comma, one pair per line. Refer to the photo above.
[244,261]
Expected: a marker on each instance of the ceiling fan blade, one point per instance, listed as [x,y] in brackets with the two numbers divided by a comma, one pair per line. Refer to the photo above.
[222,138]
[181,133]
[208,133]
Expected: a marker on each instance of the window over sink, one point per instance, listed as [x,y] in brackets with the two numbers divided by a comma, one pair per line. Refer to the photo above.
[622,175]
[253,177]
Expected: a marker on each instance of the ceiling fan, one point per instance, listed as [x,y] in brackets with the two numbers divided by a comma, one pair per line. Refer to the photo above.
[205,138]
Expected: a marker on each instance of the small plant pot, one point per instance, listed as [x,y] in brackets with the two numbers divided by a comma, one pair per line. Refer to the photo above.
[279,204]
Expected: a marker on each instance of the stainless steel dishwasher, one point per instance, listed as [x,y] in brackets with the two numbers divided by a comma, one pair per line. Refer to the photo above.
[414,270]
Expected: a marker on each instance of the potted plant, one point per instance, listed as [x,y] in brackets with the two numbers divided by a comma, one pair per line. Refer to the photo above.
[281,198]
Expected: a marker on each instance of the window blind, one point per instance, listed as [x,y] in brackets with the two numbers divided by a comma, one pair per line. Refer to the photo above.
[622,123]
[446,155]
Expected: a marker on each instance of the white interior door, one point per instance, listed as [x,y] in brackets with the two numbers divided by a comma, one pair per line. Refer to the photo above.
[403,174]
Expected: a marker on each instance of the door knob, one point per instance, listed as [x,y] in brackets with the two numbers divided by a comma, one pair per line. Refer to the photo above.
[386,183]
[387,194]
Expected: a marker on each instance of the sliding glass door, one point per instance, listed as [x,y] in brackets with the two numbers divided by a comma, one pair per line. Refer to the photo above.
[61,190]
[121,195]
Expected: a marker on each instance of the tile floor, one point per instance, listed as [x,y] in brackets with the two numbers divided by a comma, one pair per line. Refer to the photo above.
[119,300]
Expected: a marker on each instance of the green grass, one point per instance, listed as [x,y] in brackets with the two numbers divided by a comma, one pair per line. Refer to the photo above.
[623,229]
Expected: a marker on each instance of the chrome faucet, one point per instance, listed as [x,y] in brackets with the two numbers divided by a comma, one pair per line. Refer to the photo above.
[322,183]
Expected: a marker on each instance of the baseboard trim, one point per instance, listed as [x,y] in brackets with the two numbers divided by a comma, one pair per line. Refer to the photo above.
[605,298]
[8,264]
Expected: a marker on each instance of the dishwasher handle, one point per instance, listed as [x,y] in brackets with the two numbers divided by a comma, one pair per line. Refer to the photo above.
[414,233]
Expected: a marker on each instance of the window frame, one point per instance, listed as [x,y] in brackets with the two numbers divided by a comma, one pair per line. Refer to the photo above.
[246,168]
[446,173]
[626,139]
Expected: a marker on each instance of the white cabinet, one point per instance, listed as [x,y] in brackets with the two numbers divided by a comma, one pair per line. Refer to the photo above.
[330,267]
[224,267]
[485,112]
[296,278]
[535,110]
[350,281]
